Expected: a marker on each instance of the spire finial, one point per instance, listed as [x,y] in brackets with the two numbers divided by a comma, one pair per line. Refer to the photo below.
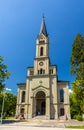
[43,16]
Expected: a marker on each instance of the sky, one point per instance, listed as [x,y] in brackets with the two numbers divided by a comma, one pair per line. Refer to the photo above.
[20,22]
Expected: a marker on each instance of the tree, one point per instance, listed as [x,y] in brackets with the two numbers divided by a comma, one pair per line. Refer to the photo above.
[4,74]
[1,99]
[77,59]
[9,103]
[74,108]
[77,69]
[77,98]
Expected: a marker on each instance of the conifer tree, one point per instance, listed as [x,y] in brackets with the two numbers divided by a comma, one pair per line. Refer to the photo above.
[77,69]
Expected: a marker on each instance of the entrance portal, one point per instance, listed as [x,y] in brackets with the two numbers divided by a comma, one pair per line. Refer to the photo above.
[40,103]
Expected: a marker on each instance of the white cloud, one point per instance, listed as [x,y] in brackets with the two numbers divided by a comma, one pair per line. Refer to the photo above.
[70,91]
[8,89]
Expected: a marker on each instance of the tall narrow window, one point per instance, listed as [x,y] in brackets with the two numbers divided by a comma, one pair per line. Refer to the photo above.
[41,51]
[41,71]
[51,71]
[61,95]
[23,96]
[31,72]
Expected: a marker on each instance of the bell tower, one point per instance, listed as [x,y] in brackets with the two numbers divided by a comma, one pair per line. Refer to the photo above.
[42,42]
[41,62]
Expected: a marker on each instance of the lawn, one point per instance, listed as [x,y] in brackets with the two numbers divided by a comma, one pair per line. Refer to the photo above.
[79,127]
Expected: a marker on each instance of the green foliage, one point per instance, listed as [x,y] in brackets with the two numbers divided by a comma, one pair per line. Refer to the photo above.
[77,59]
[74,108]
[78,127]
[77,99]
[78,117]
[1,99]
[77,54]
[78,92]
[9,103]
[4,74]
[77,68]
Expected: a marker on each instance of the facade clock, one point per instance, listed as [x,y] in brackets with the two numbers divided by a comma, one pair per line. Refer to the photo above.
[41,63]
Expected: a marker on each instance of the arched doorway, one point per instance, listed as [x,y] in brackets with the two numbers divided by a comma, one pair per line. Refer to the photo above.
[40,103]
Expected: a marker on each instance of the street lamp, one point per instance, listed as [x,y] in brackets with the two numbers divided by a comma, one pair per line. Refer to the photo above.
[6,89]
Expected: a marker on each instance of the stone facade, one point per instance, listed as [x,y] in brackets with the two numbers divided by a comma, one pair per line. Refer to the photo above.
[43,94]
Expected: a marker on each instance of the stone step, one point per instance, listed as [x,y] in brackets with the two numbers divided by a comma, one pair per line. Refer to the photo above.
[39,117]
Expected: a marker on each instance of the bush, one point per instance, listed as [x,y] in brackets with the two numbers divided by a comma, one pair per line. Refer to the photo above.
[78,117]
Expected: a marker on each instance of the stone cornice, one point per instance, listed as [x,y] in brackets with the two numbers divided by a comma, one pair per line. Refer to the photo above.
[23,104]
[41,76]
[41,58]
[60,103]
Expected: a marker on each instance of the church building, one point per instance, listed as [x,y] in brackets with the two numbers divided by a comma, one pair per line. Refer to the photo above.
[43,94]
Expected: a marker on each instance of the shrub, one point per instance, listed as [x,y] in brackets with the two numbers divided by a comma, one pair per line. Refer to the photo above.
[78,117]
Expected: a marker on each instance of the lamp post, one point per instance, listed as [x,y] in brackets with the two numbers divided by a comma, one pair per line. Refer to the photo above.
[2,111]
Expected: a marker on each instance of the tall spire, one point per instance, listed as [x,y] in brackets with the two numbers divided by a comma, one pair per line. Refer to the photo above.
[43,29]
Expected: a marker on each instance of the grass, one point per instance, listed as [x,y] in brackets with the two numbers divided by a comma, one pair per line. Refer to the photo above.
[10,117]
[79,127]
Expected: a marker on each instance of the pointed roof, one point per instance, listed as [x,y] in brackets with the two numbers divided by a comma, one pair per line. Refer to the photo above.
[43,29]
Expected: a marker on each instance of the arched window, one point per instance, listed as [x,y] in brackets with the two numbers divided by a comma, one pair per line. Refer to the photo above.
[61,111]
[61,95]
[41,71]
[41,51]
[23,96]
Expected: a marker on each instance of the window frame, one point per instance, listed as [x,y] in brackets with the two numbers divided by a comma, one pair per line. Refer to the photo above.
[23,96]
[61,96]
[41,51]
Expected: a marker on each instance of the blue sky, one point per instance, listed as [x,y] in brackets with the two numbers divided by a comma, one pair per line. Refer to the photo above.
[20,22]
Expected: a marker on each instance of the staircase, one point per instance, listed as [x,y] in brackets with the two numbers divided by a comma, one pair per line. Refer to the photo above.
[40,117]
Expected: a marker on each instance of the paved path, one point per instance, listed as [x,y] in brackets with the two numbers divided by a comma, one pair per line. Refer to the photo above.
[38,124]
[8,127]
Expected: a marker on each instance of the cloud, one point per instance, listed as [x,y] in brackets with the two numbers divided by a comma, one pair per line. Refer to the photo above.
[70,91]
